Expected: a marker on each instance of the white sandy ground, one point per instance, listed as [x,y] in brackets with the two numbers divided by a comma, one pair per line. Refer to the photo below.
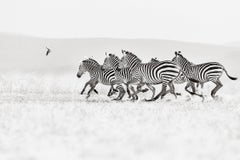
[43,117]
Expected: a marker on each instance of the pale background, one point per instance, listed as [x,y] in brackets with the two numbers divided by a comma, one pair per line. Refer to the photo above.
[206,21]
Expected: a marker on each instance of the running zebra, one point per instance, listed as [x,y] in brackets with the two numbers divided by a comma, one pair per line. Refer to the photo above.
[182,79]
[123,75]
[106,77]
[94,62]
[202,73]
[111,91]
[151,73]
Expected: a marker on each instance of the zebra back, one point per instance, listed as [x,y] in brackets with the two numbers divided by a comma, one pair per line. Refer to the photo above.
[103,76]
[152,73]
[210,71]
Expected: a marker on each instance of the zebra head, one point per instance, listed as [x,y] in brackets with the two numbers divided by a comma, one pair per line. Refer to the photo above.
[111,61]
[88,65]
[129,60]
[81,70]
[181,61]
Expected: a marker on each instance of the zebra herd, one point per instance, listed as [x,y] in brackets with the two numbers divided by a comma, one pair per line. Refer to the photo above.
[130,71]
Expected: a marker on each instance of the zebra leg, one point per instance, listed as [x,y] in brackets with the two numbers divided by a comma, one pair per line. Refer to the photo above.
[153,91]
[139,87]
[197,85]
[93,85]
[201,84]
[128,91]
[142,90]
[172,89]
[191,84]
[121,92]
[112,91]
[218,86]
[95,91]
[134,95]
[162,93]
[85,86]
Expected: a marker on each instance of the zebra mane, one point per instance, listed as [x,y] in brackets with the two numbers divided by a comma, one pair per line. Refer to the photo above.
[179,55]
[114,56]
[133,55]
[126,52]
[184,58]
[92,62]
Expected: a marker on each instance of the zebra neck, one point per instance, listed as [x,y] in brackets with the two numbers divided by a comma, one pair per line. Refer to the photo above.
[92,69]
[134,66]
[185,65]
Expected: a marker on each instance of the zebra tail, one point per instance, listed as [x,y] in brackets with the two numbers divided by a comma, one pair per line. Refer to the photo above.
[232,78]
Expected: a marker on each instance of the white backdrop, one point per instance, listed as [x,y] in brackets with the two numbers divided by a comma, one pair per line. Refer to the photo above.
[186,20]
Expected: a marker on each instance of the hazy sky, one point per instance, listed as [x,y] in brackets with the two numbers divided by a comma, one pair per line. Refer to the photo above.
[208,21]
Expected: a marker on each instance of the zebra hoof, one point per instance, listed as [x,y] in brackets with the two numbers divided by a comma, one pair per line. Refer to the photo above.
[145,90]
[150,100]
[134,98]
[178,94]
[95,91]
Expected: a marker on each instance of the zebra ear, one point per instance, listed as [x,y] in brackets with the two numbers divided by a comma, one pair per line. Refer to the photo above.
[176,53]
[179,52]
[105,53]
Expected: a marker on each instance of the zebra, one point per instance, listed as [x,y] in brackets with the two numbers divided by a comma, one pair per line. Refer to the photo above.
[106,77]
[181,78]
[111,91]
[89,82]
[124,74]
[202,73]
[151,74]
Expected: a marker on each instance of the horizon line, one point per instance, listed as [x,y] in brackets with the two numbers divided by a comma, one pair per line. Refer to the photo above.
[113,38]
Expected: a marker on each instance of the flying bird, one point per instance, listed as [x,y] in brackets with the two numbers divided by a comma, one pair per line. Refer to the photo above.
[48,51]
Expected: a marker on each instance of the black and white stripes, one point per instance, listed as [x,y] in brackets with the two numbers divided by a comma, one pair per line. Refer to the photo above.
[202,73]
[97,75]
[131,71]
[152,73]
